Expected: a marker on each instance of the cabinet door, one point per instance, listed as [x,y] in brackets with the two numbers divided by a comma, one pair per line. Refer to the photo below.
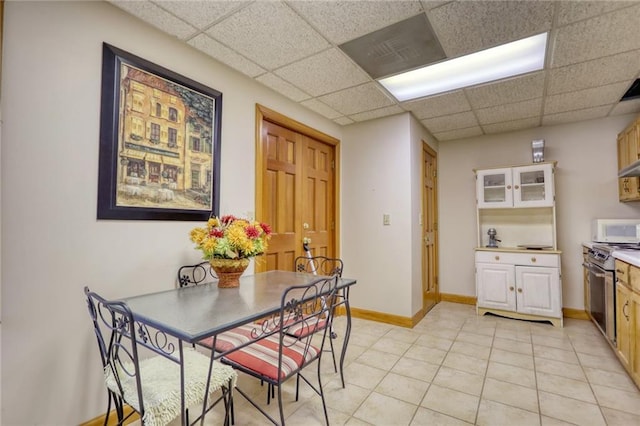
[538,291]
[623,322]
[533,186]
[495,286]
[494,188]
[634,336]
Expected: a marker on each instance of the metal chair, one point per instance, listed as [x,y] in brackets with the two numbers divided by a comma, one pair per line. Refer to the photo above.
[196,274]
[142,368]
[281,354]
[322,265]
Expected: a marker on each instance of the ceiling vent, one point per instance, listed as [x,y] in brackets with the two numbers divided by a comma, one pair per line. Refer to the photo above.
[633,92]
[399,47]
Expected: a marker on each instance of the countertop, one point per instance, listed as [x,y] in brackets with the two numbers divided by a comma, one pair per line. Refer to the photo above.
[588,244]
[629,256]
[518,250]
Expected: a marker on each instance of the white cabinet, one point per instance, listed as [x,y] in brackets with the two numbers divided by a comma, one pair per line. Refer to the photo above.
[519,284]
[522,186]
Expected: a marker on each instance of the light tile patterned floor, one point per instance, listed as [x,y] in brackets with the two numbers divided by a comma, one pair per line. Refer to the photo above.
[455,368]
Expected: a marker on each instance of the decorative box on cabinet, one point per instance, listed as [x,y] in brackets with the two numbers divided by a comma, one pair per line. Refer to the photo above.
[524,285]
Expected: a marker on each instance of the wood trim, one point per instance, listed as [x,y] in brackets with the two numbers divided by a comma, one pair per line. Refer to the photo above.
[382,317]
[264,113]
[113,418]
[458,298]
[575,313]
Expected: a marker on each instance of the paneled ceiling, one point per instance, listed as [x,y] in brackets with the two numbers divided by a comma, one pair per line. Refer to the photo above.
[292,47]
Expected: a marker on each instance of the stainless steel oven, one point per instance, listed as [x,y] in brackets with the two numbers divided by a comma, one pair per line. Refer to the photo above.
[602,298]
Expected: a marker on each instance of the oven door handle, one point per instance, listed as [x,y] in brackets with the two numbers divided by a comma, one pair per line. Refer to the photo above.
[594,270]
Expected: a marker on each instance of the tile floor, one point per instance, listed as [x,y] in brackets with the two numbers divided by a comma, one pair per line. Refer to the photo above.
[455,368]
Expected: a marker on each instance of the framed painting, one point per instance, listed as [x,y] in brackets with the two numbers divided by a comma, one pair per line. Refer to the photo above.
[159,142]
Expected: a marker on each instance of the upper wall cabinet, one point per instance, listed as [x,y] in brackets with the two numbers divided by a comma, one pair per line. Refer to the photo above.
[628,153]
[523,186]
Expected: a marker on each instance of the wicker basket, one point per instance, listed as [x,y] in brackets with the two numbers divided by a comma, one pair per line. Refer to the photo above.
[229,271]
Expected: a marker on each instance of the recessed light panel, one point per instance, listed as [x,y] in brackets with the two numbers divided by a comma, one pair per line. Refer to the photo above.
[507,60]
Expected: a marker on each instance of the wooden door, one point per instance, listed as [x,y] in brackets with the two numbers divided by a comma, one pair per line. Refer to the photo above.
[623,323]
[495,286]
[538,291]
[296,190]
[318,220]
[281,194]
[430,292]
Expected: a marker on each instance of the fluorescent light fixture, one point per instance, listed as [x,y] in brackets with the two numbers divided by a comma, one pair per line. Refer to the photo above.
[508,60]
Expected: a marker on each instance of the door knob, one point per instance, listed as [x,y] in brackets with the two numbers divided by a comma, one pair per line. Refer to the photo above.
[519,290]
[306,240]
[305,225]
[511,288]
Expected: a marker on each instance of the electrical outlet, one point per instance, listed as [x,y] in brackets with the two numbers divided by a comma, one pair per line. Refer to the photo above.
[386,219]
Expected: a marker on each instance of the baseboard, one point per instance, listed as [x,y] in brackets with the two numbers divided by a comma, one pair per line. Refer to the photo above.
[113,418]
[458,298]
[575,313]
[382,317]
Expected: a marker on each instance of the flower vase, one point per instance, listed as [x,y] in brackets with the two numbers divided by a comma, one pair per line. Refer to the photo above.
[229,271]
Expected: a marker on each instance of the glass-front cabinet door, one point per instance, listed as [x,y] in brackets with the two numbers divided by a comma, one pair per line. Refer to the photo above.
[533,186]
[494,188]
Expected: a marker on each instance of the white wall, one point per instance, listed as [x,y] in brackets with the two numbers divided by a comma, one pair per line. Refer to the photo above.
[52,243]
[376,179]
[586,188]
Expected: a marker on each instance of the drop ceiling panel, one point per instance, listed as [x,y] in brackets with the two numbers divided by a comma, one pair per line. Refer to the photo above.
[573,116]
[321,108]
[157,17]
[201,14]
[510,126]
[459,134]
[435,106]
[572,11]
[451,122]
[469,26]
[346,20]
[270,33]
[283,87]
[225,55]
[604,35]
[516,89]
[377,113]
[594,73]
[604,95]
[357,99]
[325,72]
[510,112]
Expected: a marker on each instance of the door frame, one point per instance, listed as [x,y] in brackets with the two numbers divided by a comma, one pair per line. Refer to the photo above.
[265,114]
[426,149]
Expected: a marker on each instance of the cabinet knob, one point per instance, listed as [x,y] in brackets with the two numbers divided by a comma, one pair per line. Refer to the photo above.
[517,187]
[497,257]
[519,290]
[533,259]
[511,288]
[508,186]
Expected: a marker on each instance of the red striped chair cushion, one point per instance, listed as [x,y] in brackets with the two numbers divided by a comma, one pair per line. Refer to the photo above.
[306,327]
[262,357]
[233,338]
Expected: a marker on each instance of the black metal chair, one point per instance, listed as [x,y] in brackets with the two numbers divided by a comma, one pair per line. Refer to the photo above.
[142,367]
[328,266]
[282,354]
[196,274]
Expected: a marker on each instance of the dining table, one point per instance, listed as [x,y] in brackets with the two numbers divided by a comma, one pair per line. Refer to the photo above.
[190,314]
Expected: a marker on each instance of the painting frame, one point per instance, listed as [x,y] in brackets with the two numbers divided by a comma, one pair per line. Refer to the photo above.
[160,144]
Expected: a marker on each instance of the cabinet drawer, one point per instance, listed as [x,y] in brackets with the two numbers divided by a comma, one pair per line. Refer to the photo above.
[622,271]
[525,259]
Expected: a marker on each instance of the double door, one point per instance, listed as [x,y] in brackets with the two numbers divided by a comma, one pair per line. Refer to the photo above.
[296,195]
[524,186]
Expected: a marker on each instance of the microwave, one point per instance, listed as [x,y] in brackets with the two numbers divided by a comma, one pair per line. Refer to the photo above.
[616,230]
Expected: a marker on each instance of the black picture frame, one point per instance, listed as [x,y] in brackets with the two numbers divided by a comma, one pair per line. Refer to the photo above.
[159,142]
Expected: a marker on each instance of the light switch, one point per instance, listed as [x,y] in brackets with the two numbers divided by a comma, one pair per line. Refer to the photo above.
[386,219]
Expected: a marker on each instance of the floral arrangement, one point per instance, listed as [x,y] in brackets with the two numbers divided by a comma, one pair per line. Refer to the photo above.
[229,237]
